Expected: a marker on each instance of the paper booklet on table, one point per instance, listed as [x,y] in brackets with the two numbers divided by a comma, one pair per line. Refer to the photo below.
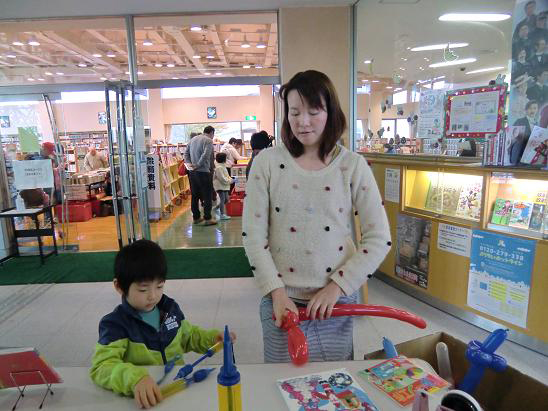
[325,391]
[400,379]
[24,366]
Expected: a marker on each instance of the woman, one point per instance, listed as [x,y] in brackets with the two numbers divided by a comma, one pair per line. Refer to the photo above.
[297,222]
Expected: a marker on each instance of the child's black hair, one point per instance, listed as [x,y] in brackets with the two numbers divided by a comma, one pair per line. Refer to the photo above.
[220,157]
[140,261]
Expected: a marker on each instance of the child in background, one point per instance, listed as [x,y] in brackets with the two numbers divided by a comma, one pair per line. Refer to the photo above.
[148,328]
[297,222]
[221,183]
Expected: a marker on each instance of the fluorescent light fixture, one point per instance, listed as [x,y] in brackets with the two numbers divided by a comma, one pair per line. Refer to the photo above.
[210,56]
[246,66]
[158,65]
[218,74]
[474,17]
[365,81]
[41,79]
[258,66]
[245,45]
[453,63]
[404,59]
[47,73]
[11,56]
[59,73]
[30,79]
[82,65]
[484,70]
[439,46]
[175,78]
[147,43]
[111,55]
[401,68]
[196,56]
[195,28]
[421,68]
[389,87]
[207,73]
[103,78]
[261,46]
[170,65]
[18,43]
[367,61]
[33,43]
[140,73]
[427,59]
[127,72]
[97,55]
[375,81]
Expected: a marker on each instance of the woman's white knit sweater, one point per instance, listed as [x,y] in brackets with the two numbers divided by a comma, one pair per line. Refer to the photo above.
[297,224]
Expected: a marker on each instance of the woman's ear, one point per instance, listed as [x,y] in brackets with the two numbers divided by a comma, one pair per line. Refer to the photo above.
[117,287]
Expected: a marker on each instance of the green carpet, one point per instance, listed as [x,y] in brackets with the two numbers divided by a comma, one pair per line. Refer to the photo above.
[97,267]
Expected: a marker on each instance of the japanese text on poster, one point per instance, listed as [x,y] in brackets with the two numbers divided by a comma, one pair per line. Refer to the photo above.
[392,185]
[413,249]
[500,276]
[454,239]
[431,112]
[33,174]
[474,113]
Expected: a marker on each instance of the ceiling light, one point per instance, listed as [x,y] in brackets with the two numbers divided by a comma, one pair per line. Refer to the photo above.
[427,59]
[421,68]
[258,66]
[245,45]
[41,79]
[175,78]
[30,79]
[170,65]
[127,72]
[113,78]
[82,65]
[367,61]
[47,73]
[33,43]
[474,17]
[375,81]
[439,46]
[218,74]
[261,46]
[140,73]
[103,78]
[11,56]
[158,65]
[111,55]
[60,73]
[404,59]
[207,73]
[453,63]
[246,66]
[147,43]
[196,28]
[486,70]
[365,81]
[196,56]
[401,68]
[18,43]
[389,87]
[97,55]
[210,56]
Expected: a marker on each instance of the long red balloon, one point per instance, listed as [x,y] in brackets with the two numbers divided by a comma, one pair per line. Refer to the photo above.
[296,341]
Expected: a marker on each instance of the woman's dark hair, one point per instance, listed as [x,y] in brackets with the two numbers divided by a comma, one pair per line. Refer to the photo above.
[313,86]
[140,261]
[232,140]
[220,157]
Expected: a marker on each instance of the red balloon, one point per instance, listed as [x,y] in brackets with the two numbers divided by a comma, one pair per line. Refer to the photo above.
[296,341]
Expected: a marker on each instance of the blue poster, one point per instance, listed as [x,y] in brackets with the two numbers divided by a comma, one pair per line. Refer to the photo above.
[500,276]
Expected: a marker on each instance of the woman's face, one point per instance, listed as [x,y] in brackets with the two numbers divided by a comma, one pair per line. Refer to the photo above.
[307,123]
[521,56]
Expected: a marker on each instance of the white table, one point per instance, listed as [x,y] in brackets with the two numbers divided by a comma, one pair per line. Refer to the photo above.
[258,382]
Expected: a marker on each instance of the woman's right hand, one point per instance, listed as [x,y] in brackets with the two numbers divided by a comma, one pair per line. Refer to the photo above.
[280,303]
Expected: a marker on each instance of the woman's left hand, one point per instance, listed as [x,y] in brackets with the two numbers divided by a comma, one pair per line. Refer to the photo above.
[322,303]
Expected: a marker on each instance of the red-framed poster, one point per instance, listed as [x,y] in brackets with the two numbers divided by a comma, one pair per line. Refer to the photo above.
[475,112]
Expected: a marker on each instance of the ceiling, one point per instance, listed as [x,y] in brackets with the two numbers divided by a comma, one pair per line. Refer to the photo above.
[386,32]
[93,50]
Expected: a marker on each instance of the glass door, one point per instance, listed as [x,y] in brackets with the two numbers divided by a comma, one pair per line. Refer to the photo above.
[127,159]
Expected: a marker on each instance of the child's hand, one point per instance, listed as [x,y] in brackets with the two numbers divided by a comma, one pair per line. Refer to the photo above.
[147,393]
[221,337]
[280,303]
[323,301]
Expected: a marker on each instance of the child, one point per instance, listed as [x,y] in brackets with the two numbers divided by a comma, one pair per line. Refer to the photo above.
[298,217]
[148,328]
[221,183]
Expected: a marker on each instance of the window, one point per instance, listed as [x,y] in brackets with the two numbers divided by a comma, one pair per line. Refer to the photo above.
[415,96]
[210,91]
[400,97]
[438,85]
[389,128]
[364,89]
[402,128]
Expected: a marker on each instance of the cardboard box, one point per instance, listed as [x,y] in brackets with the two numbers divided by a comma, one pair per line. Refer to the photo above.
[509,390]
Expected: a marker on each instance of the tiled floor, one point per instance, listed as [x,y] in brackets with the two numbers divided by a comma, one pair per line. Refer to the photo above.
[62,322]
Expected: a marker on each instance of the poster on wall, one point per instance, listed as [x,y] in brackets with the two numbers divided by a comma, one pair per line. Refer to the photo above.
[31,174]
[102,117]
[153,185]
[413,249]
[475,112]
[499,278]
[431,112]
[528,105]
[392,185]
[212,112]
[5,122]
[454,239]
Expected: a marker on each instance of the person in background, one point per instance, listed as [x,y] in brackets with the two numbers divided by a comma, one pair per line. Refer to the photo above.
[259,141]
[520,66]
[297,223]
[221,183]
[48,152]
[198,156]
[538,91]
[538,60]
[530,19]
[522,41]
[94,160]
[231,150]
[540,29]
[530,119]
[467,148]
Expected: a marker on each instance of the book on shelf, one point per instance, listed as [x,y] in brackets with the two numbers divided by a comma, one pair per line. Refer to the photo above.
[444,199]
[537,215]
[521,214]
[502,211]
[22,366]
[469,204]
[536,150]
